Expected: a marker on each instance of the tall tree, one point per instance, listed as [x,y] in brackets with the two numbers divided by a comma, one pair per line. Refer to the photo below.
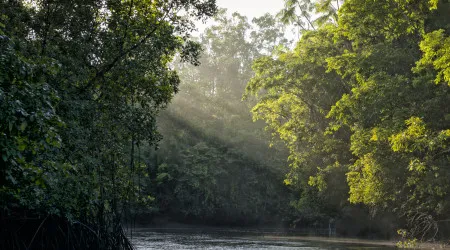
[369,93]
[295,93]
[395,111]
[88,78]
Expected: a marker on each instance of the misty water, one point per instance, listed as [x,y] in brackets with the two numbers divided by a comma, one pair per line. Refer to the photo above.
[226,239]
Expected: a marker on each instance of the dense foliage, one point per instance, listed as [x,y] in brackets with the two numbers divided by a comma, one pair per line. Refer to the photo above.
[363,100]
[81,85]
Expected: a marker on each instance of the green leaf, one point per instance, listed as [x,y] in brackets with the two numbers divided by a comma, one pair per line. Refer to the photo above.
[23,126]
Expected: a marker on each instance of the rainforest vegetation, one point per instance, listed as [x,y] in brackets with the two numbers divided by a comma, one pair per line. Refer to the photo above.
[117,111]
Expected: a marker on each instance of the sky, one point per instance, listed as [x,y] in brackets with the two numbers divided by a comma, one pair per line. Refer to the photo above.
[248,8]
[252,8]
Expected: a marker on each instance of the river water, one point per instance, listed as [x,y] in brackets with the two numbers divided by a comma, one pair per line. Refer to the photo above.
[144,239]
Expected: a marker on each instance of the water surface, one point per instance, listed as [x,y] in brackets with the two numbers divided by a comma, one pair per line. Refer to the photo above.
[144,239]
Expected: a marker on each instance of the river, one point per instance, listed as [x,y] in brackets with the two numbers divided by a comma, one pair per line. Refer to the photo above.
[145,239]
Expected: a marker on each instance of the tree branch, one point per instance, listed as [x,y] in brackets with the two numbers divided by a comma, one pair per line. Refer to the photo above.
[123,54]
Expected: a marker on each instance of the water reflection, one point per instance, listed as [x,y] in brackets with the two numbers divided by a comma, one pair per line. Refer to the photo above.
[225,239]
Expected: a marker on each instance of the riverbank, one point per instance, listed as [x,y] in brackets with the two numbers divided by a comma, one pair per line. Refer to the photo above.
[353,241]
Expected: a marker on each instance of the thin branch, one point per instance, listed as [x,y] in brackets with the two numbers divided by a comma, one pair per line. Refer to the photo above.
[303,13]
[126,26]
[37,231]
[90,229]
[309,21]
[46,28]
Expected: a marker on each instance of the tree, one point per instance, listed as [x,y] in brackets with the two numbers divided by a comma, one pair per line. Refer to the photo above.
[88,79]
[295,93]
[368,95]
[309,14]
[394,111]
